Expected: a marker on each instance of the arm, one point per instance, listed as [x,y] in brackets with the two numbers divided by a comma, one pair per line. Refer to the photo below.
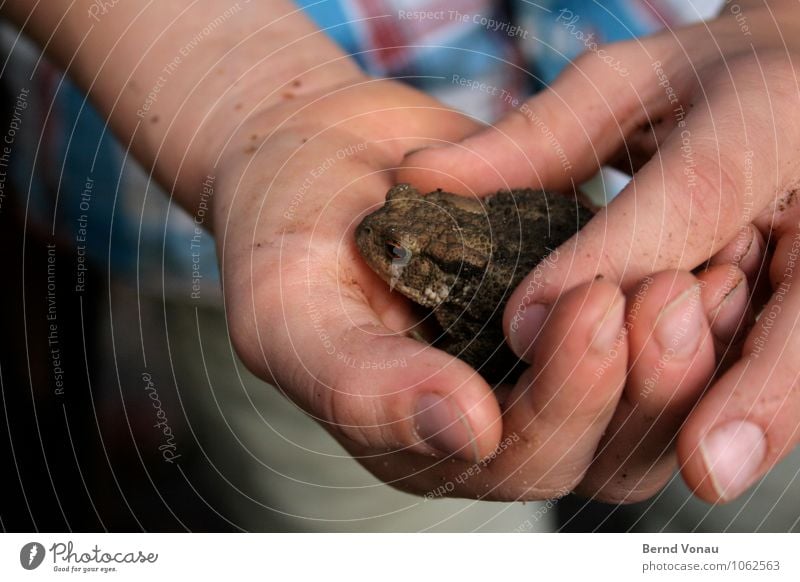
[176,79]
[302,144]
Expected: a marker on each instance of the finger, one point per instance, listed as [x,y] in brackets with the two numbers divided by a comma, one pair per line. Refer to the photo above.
[555,415]
[746,251]
[748,421]
[746,255]
[560,136]
[561,406]
[641,144]
[726,300]
[697,195]
[672,359]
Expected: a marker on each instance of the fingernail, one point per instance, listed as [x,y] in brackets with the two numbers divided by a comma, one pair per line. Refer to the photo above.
[607,329]
[525,328]
[749,247]
[726,319]
[445,428]
[733,454]
[726,296]
[679,324]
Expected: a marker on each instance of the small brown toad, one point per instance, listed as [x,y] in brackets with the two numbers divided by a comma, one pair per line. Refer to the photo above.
[462,257]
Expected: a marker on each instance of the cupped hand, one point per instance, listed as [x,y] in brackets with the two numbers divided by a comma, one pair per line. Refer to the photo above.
[306,313]
[705,121]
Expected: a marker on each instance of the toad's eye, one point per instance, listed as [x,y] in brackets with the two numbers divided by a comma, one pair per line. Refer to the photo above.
[399,254]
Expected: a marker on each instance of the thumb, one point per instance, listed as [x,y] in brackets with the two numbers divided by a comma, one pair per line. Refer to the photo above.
[359,379]
[558,137]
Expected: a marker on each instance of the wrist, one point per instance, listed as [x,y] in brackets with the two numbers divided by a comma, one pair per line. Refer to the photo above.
[177,78]
[264,106]
[369,124]
[231,93]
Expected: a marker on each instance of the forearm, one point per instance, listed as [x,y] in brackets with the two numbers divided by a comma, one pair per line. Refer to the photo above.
[177,77]
[738,8]
[761,3]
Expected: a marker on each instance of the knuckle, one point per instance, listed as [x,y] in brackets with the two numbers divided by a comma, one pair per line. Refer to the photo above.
[345,414]
[361,413]
[720,196]
[777,82]
[524,117]
[706,191]
[772,63]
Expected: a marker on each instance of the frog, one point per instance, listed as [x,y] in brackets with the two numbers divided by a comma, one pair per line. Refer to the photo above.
[461,257]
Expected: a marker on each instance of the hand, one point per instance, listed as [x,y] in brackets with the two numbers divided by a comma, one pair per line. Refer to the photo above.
[299,144]
[307,313]
[706,121]
[745,422]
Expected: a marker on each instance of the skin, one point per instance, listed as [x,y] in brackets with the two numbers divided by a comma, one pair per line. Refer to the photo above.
[303,309]
[739,94]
